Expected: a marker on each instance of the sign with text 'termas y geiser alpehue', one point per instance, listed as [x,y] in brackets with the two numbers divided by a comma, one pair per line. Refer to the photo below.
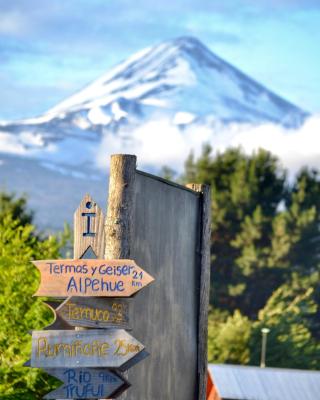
[106,278]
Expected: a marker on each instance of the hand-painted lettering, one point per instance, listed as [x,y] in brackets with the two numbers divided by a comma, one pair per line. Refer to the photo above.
[85,285]
[73,349]
[72,311]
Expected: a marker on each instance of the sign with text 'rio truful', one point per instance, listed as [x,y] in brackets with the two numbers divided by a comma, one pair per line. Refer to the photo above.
[87,383]
[94,348]
[106,278]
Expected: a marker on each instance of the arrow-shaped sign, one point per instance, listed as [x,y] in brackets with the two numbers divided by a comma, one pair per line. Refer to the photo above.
[86,383]
[95,312]
[106,278]
[90,348]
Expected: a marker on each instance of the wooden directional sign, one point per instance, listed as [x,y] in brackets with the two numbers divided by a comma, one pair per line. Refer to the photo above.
[89,348]
[105,278]
[95,312]
[85,383]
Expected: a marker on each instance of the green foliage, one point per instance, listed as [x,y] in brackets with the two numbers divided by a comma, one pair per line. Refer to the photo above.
[20,312]
[228,338]
[246,193]
[16,207]
[265,258]
[290,315]
[167,173]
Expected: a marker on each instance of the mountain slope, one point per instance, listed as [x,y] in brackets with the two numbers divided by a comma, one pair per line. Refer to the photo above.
[181,81]
[183,75]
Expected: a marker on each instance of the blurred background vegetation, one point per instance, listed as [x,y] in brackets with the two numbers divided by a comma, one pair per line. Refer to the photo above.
[265,252]
[265,268]
[20,312]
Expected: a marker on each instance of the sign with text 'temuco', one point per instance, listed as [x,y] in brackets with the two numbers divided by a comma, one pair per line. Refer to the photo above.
[95,312]
[106,278]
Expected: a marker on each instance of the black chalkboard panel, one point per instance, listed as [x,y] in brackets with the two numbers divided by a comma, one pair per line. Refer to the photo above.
[165,228]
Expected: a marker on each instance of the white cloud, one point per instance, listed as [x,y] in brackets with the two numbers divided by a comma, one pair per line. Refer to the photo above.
[156,143]
[10,144]
[295,148]
[160,142]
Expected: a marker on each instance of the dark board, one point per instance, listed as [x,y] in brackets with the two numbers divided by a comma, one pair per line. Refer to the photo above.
[165,237]
[86,348]
[95,312]
[85,383]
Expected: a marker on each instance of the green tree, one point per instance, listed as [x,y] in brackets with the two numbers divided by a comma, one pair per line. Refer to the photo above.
[228,337]
[290,315]
[265,258]
[167,173]
[20,312]
[17,207]
[246,193]
[303,203]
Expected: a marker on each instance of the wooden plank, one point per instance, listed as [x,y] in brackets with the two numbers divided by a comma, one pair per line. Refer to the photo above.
[119,214]
[88,228]
[86,348]
[166,233]
[86,383]
[106,278]
[120,209]
[95,312]
[204,254]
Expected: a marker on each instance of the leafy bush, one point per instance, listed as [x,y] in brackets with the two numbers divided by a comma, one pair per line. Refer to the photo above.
[20,312]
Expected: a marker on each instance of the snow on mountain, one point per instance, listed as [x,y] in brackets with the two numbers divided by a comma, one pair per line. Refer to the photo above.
[181,76]
[180,82]
[180,79]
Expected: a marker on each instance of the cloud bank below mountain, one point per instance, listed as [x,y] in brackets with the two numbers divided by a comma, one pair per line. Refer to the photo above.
[159,142]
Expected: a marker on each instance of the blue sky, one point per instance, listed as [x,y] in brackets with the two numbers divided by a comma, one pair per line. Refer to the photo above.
[51,49]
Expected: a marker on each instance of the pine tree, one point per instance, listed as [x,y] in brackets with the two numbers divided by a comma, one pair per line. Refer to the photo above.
[265,258]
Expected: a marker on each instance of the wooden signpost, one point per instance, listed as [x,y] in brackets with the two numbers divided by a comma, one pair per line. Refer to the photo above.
[95,290]
[86,383]
[107,278]
[165,227]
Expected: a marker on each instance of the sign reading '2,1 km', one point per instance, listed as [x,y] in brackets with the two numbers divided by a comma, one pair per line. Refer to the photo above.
[105,278]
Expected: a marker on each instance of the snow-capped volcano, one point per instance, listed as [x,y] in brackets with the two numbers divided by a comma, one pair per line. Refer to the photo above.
[179,76]
[180,81]
[176,76]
